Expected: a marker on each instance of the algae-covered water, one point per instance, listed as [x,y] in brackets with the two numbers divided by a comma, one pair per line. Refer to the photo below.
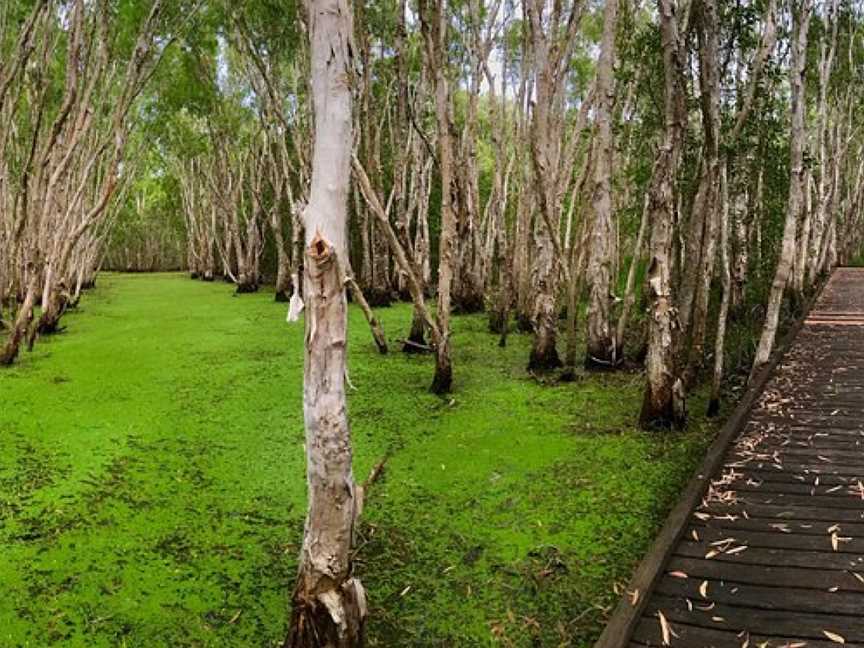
[152,485]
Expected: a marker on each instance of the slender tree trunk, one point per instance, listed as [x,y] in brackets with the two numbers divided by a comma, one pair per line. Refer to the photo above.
[283,260]
[663,405]
[374,324]
[693,336]
[725,270]
[434,23]
[16,336]
[629,293]
[380,290]
[602,351]
[329,602]
[796,176]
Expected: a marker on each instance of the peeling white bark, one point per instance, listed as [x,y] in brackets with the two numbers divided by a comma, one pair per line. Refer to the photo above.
[329,602]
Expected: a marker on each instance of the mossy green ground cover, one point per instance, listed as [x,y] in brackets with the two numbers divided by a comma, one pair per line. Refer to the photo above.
[152,485]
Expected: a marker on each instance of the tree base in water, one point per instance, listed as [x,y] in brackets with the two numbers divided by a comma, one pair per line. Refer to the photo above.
[416,342]
[337,624]
[496,322]
[50,327]
[443,380]
[571,374]
[544,359]
[524,324]
[600,357]
[662,416]
[468,304]
[713,408]
[379,298]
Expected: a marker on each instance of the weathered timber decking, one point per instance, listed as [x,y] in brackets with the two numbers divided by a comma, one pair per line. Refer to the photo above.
[766,547]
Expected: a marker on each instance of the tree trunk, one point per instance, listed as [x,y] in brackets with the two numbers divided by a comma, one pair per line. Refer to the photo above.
[796,175]
[374,324]
[380,291]
[329,602]
[22,321]
[602,352]
[434,25]
[283,260]
[696,318]
[629,294]
[663,405]
[726,273]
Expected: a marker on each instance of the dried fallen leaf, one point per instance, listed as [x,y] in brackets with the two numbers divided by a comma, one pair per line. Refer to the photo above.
[665,629]
[833,636]
[703,589]
[678,574]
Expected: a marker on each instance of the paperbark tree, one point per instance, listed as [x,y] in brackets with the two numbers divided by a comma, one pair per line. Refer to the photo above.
[552,34]
[702,235]
[434,22]
[814,223]
[602,352]
[797,141]
[69,159]
[329,602]
[663,405]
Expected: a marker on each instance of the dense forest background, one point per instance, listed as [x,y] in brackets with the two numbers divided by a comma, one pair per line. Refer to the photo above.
[584,144]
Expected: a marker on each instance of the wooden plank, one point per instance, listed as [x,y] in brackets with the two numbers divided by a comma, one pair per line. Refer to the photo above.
[787,557]
[800,468]
[770,575]
[780,513]
[648,633]
[846,457]
[781,622]
[779,478]
[745,498]
[800,527]
[842,489]
[773,538]
[761,597]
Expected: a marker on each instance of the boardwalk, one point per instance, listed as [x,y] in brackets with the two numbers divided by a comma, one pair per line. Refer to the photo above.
[772,552]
